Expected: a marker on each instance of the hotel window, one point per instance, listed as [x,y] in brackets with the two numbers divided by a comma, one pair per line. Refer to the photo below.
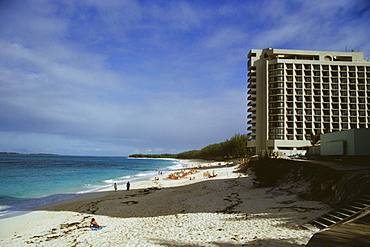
[307,85]
[308,79]
[308,98]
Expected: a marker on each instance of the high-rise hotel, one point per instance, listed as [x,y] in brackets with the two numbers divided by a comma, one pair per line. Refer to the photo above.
[296,94]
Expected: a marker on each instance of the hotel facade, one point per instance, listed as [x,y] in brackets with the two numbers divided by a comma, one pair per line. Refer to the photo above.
[296,94]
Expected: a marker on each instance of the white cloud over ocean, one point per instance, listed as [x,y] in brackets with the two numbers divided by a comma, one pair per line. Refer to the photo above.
[121,77]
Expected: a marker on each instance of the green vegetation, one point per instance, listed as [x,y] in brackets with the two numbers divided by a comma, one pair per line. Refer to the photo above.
[8,153]
[26,153]
[153,156]
[236,147]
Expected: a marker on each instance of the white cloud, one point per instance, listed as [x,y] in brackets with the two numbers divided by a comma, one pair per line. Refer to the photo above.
[125,76]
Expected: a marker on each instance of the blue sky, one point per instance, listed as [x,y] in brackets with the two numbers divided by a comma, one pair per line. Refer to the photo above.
[122,77]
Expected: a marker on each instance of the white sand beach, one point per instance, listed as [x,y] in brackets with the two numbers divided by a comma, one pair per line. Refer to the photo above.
[221,211]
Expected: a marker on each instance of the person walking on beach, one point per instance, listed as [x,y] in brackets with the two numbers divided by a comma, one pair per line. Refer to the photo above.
[115,186]
[128,185]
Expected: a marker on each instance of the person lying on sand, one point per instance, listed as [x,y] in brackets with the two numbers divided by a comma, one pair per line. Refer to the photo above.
[94,224]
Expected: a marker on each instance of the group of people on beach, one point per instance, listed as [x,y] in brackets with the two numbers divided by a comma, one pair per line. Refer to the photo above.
[127,186]
[182,174]
[208,175]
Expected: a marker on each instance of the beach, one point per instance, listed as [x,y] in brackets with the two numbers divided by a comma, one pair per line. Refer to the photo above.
[225,210]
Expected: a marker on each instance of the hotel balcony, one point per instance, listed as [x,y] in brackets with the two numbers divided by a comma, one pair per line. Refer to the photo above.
[252,115]
[251,120]
[251,103]
[252,97]
[252,79]
[252,84]
[252,91]
[252,109]
[252,73]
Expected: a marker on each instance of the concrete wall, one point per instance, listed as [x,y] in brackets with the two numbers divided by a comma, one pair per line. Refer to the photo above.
[334,148]
[362,141]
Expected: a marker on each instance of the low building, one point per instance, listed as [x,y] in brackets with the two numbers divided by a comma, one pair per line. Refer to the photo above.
[346,143]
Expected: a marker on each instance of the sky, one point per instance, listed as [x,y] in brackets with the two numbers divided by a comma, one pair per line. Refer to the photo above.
[113,78]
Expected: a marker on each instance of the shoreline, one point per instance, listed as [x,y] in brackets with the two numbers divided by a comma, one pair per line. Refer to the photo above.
[225,210]
[22,205]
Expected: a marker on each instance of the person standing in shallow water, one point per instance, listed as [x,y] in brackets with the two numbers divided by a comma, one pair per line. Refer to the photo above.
[128,185]
[115,186]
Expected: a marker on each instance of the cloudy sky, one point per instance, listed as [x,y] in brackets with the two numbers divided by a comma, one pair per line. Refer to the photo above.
[121,77]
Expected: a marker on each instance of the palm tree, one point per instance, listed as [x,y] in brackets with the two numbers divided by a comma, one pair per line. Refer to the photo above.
[315,139]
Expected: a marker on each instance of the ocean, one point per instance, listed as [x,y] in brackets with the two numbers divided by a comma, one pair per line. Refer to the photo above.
[34,180]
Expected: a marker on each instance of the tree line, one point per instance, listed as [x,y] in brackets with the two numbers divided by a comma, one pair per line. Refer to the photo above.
[236,147]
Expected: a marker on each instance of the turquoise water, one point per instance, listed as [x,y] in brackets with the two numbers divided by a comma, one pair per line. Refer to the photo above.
[32,180]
